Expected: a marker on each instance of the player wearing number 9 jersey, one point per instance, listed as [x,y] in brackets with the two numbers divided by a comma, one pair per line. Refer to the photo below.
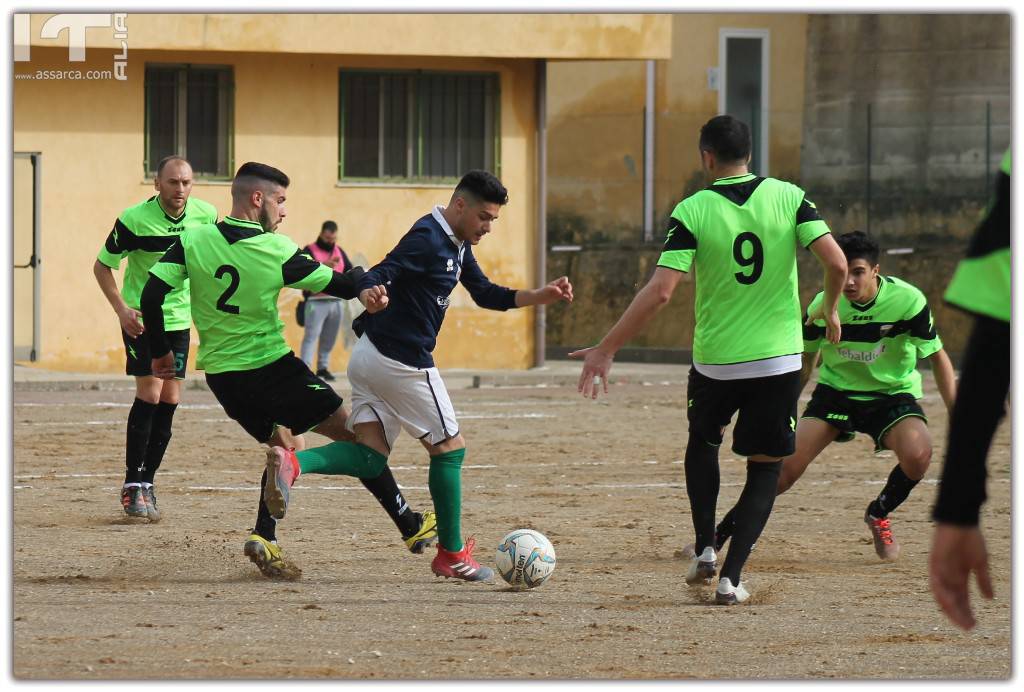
[236,269]
[741,235]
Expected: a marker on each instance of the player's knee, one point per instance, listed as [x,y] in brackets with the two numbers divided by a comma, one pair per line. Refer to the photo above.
[915,462]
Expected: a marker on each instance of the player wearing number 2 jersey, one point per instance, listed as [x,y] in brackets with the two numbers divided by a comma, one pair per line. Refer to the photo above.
[741,235]
[236,269]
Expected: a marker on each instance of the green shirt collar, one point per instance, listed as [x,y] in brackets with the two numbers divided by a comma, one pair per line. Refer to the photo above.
[243,223]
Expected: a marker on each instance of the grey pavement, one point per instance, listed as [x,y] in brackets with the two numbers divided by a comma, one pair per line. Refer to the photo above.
[555,373]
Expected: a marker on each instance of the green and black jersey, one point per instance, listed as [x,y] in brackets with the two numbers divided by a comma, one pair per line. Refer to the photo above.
[881,342]
[237,271]
[981,283]
[741,233]
[142,234]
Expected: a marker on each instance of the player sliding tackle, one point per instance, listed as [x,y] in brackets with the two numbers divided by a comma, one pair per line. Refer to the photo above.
[741,233]
[236,269]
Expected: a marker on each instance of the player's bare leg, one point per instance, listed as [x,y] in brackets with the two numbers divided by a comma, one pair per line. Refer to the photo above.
[910,441]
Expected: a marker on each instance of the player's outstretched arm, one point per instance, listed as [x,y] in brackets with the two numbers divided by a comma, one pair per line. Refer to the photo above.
[128,317]
[833,261]
[597,360]
[945,377]
[345,284]
[559,289]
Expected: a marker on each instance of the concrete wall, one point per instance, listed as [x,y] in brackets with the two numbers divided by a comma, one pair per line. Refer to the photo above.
[939,87]
[939,91]
[90,134]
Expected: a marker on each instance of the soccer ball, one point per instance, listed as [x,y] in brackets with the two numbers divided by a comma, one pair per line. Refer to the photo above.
[525,558]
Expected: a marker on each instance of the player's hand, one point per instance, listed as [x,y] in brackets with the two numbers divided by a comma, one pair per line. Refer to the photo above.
[833,329]
[596,365]
[374,298]
[332,262]
[163,367]
[559,289]
[956,552]
[130,323]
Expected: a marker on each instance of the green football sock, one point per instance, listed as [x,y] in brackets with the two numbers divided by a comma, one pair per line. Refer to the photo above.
[342,459]
[445,483]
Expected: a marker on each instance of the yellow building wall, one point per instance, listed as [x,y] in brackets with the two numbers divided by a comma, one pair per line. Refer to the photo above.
[91,137]
[621,36]
[596,127]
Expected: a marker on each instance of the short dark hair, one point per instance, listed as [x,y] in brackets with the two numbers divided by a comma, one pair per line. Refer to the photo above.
[482,186]
[166,160]
[328,226]
[859,245]
[262,171]
[727,138]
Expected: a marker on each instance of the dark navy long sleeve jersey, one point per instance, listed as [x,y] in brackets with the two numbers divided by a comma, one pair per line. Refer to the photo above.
[420,274]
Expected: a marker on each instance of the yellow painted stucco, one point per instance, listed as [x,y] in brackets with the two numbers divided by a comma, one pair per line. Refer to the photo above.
[596,110]
[595,36]
[90,134]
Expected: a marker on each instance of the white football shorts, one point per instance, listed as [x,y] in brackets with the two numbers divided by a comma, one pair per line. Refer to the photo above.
[398,396]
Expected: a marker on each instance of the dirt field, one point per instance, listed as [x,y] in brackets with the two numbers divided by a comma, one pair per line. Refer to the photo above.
[97,597]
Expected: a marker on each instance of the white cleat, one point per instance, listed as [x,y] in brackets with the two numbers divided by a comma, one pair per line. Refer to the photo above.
[702,567]
[727,594]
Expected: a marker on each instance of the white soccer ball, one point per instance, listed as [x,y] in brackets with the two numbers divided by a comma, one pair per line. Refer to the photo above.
[525,558]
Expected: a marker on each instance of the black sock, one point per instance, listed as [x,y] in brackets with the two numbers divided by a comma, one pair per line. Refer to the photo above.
[266,525]
[140,421]
[896,490]
[751,512]
[725,529]
[702,481]
[385,489]
[159,436]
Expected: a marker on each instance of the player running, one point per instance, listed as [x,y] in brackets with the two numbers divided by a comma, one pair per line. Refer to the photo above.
[237,268]
[869,383]
[741,234]
[395,384]
[142,234]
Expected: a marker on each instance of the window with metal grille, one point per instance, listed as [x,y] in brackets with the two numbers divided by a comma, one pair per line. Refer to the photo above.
[417,126]
[189,113]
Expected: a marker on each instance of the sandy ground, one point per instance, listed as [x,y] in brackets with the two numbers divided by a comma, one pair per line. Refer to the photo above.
[97,596]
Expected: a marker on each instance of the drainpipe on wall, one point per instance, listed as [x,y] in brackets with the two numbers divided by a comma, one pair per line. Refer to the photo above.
[649,155]
[540,323]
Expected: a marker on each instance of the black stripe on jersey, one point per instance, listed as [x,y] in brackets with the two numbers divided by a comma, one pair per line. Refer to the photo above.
[118,238]
[122,239]
[298,267]
[994,230]
[919,326]
[233,233]
[807,212]
[813,332]
[679,237]
[737,193]
[175,254]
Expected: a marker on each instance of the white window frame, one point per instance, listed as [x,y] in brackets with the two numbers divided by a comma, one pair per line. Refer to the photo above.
[724,34]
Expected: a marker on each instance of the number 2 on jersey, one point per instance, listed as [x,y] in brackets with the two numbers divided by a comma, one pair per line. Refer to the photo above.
[755,260]
[222,303]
